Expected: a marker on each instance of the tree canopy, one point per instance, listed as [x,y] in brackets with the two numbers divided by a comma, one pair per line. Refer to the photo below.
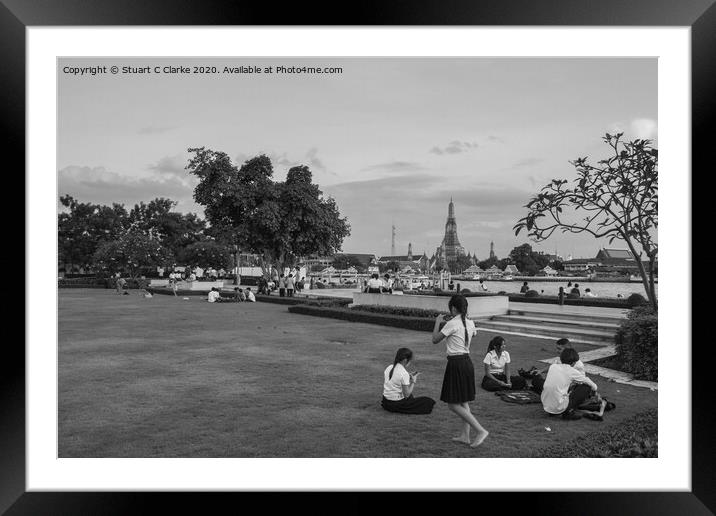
[615,199]
[280,220]
[131,252]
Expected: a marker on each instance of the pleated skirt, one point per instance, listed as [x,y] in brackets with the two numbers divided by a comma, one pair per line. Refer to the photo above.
[459,380]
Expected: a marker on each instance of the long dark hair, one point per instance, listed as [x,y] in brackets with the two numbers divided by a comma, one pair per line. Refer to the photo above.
[496,342]
[402,354]
[459,302]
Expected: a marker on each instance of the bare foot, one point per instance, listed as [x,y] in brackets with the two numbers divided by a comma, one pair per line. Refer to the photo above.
[478,440]
[461,439]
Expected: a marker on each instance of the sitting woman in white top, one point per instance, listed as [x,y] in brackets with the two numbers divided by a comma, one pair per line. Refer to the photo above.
[398,387]
[566,388]
[497,368]
[214,295]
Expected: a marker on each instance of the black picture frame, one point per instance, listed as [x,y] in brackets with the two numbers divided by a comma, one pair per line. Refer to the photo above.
[699,15]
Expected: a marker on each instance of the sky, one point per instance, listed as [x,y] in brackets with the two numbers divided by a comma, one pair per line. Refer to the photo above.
[392,140]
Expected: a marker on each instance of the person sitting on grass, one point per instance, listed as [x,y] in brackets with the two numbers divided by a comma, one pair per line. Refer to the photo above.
[566,388]
[497,368]
[213,295]
[120,283]
[525,288]
[398,385]
[250,295]
[239,294]
[538,377]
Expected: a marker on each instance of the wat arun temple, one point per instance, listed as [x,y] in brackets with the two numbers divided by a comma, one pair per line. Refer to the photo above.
[447,253]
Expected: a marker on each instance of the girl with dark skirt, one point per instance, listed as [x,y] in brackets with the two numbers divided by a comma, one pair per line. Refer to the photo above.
[398,387]
[459,381]
[497,368]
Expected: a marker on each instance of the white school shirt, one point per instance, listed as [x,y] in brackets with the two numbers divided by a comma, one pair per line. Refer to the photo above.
[555,392]
[250,296]
[454,332]
[213,296]
[497,364]
[578,365]
[289,283]
[392,387]
[375,283]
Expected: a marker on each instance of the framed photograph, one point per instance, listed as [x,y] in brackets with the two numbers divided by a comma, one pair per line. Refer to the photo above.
[262,220]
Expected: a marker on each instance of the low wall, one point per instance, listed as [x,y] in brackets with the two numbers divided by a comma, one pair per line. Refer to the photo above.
[191,285]
[476,306]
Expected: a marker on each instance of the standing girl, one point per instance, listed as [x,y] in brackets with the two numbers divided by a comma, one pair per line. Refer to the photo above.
[459,381]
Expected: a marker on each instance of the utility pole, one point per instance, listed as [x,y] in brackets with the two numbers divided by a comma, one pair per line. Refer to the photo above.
[392,241]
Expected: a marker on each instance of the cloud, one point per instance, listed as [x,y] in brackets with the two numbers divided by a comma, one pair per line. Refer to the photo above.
[154,129]
[495,139]
[283,160]
[171,165]
[454,147]
[99,185]
[641,128]
[526,163]
[394,166]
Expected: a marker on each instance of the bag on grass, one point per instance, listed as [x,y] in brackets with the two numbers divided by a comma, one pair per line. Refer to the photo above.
[522,397]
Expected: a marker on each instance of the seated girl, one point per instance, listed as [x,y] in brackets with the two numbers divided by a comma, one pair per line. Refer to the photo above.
[398,387]
[497,368]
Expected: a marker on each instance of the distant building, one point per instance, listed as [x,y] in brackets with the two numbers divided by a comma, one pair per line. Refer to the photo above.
[549,271]
[607,261]
[365,259]
[512,269]
[408,261]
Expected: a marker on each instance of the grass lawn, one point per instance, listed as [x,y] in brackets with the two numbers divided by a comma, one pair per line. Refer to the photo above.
[165,377]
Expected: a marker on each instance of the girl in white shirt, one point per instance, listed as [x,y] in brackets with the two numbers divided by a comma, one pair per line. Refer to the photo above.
[497,368]
[398,385]
[459,382]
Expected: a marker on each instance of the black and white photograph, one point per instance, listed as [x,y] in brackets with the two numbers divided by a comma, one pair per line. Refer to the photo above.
[357,257]
[417,250]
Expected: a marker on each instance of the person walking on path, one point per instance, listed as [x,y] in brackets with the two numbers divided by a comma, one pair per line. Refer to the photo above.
[289,285]
[398,385]
[458,387]
[560,296]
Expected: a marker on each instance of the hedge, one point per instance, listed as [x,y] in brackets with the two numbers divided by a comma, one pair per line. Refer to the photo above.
[637,343]
[396,321]
[396,310]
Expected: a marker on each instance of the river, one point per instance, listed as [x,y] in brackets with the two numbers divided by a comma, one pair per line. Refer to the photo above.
[600,288]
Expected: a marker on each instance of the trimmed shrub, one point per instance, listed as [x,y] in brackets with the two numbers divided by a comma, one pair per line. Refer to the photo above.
[396,310]
[320,284]
[531,293]
[637,343]
[397,321]
[465,291]
[635,300]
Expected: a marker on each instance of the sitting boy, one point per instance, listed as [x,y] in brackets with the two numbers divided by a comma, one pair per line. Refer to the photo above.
[566,388]
[538,376]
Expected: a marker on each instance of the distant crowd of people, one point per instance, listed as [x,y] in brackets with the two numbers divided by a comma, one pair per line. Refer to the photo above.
[563,387]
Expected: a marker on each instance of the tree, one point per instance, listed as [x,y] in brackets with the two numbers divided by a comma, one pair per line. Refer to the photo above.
[85,227]
[486,264]
[132,252]
[278,220]
[557,265]
[461,263]
[173,229]
[617,198]
[206,253]
[341,261]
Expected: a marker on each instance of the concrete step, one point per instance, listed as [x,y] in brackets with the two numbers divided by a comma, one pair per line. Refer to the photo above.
[556,331]
[557,321]
[600,317]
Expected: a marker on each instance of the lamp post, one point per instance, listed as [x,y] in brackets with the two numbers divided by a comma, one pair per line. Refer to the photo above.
[236,264]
